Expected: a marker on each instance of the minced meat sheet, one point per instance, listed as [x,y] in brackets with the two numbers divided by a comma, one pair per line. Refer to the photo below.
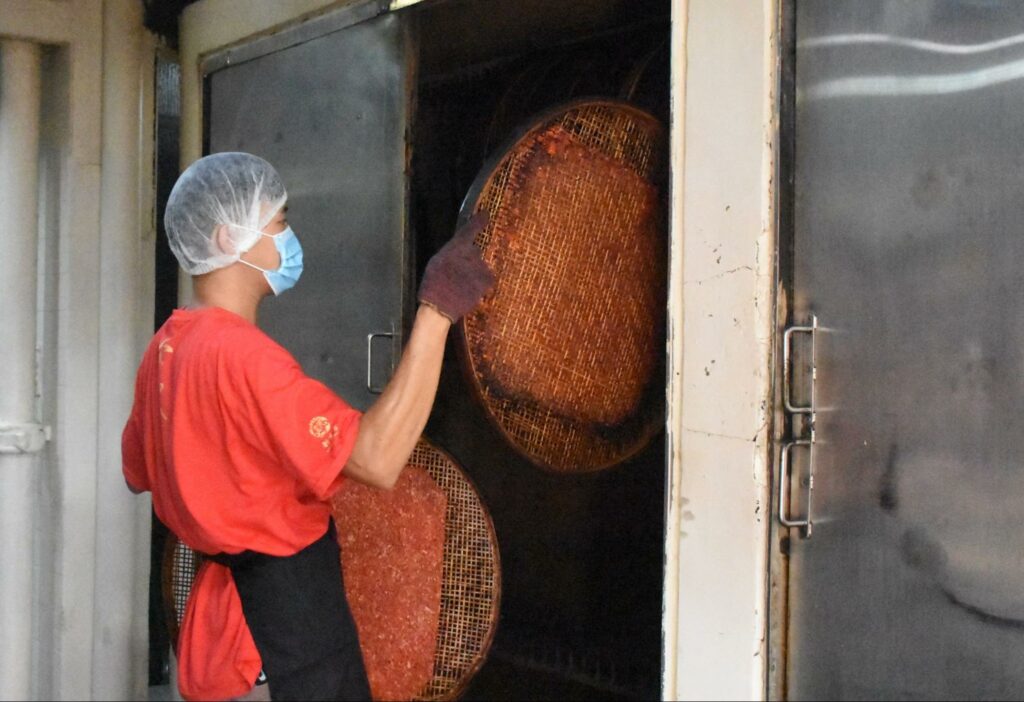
[392,556]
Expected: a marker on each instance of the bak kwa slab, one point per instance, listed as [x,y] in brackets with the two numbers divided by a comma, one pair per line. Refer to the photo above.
[565,353]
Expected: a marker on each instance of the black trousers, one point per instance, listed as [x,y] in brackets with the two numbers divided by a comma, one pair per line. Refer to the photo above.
[296,609]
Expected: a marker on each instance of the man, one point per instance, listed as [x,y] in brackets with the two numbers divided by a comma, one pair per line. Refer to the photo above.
[242,451]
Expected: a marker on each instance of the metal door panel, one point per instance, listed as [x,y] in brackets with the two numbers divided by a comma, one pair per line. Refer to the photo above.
[331,115]
[908,243]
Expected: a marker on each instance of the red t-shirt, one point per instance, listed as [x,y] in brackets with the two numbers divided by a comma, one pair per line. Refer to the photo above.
[242,451]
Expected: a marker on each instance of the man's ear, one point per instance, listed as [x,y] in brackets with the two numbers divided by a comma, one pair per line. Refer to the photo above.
[222,238]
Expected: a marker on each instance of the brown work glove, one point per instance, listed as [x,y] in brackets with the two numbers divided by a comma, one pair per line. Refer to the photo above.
[456,278]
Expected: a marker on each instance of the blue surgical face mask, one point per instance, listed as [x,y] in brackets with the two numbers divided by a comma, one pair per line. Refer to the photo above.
[290,251]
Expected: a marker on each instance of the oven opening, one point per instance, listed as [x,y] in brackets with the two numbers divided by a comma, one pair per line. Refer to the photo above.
[581,553]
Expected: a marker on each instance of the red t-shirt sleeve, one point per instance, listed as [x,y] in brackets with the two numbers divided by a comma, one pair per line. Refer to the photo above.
[132,461]
[309,428]
[133,456]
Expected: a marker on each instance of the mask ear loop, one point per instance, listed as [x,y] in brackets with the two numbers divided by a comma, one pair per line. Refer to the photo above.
[253,265]
[261,233]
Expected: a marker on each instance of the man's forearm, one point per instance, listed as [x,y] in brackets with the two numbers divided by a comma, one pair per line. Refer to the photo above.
[391,427]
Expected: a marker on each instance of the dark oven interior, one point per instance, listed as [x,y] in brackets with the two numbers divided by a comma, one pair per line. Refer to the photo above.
[582,555]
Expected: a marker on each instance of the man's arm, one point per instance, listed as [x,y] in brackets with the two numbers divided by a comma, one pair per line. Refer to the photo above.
[390,429]
[133,460]
[455,281]
[132,463]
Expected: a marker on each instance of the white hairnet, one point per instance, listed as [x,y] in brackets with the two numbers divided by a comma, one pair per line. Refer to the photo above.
[229,188]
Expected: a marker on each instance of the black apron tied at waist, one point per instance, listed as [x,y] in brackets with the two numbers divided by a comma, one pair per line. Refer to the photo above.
[296,609]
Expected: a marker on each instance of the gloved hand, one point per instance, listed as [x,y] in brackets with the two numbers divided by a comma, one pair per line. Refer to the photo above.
[457,278]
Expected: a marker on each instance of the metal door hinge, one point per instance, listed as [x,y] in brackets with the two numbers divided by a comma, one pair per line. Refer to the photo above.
[23,438]
[809,412]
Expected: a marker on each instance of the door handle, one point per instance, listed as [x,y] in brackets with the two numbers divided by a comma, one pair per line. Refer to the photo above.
[787,369]
[369,360]
[810,412]
[784,493]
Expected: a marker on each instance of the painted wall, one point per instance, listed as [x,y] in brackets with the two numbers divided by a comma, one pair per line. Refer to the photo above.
[86,540]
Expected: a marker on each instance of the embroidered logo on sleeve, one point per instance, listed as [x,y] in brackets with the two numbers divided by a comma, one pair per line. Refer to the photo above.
[321,428]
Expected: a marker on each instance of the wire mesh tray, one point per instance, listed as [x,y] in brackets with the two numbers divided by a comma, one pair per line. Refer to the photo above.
[565,354]
[470,579]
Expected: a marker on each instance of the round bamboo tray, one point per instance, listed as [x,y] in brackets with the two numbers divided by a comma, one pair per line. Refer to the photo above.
[470,580]
[565,354]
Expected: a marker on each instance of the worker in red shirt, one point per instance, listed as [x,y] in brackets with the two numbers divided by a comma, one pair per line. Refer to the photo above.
[242,451]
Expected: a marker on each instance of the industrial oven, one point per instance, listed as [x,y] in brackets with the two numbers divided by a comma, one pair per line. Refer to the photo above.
[381,122]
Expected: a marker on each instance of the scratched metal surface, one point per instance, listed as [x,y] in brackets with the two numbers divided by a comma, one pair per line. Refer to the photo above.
[331,114]
[908,245]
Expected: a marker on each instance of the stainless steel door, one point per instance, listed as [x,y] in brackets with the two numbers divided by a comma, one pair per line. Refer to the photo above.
[331,113]
[909,250]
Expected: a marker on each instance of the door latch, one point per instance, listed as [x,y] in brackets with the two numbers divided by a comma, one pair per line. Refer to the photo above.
[23,438]
[807,440]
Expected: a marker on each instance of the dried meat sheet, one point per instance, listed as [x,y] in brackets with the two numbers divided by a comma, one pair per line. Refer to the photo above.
[392,555]
[572,322]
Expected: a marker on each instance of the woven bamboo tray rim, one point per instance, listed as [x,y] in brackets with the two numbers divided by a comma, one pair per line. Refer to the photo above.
[448,681]
[446,686]
[174,581]
[609,446]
